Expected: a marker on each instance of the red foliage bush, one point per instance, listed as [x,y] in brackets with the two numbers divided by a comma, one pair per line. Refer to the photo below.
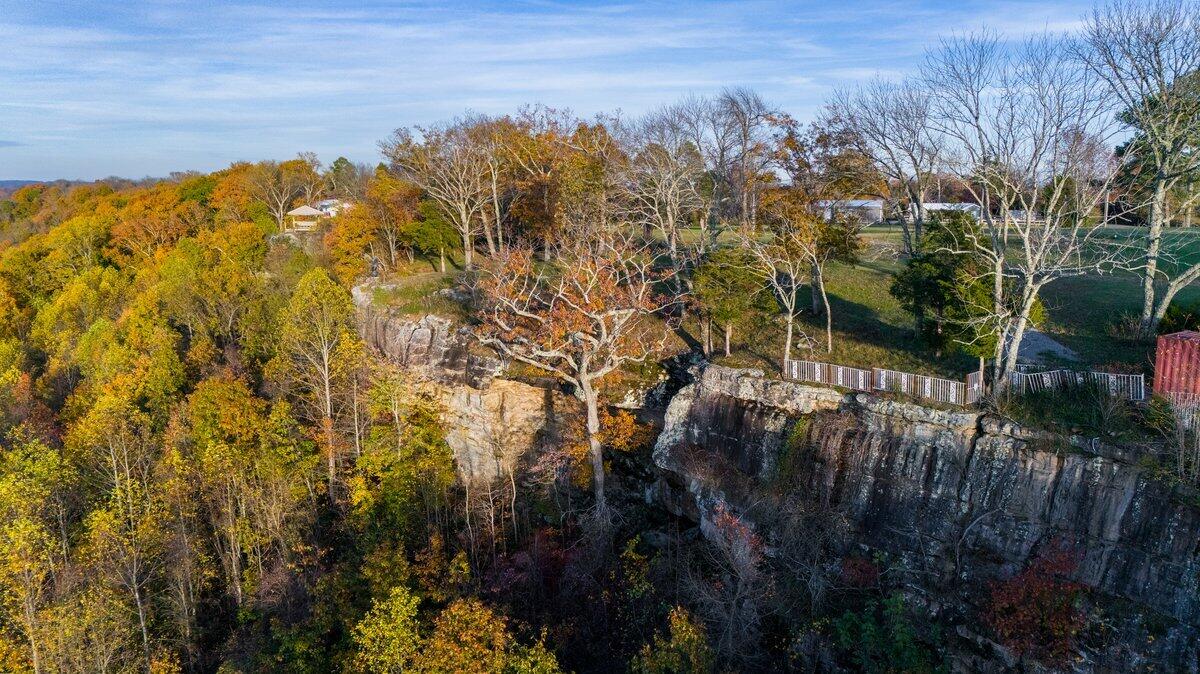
[860,573]
[1036,612]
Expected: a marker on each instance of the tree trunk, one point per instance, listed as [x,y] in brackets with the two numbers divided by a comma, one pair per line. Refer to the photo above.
[34,651]
[592,403]
[728,335]
[442,259]
[468,258]
[828,315]
[141,611]
[488,238]
[706,336]
[814,287]
[787,344]
[1157,208]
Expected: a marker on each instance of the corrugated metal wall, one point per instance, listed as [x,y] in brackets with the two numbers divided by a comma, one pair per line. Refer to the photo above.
[1177,363]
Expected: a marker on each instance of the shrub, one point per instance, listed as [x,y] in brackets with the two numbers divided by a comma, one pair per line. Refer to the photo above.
[1180,317]
[883,639]
[1036,612]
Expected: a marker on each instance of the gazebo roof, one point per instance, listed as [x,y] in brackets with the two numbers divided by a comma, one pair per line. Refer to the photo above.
[304,210]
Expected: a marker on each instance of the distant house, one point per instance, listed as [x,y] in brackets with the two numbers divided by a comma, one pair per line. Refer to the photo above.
[870,211]
[303,219]
[935,207]
[331,207]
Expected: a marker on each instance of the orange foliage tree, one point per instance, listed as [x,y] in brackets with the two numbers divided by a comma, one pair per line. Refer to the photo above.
[579,320]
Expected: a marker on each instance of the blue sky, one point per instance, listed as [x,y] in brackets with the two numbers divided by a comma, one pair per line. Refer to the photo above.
[144,88]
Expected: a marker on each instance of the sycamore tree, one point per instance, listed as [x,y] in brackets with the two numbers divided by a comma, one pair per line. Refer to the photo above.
[449,165]
[795,251]
[665,182]
[1147,56]
[815,240]
[580,320]
[316,344]
[1026,134]
[780,266]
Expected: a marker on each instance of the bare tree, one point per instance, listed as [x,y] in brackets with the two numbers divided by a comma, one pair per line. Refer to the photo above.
[890,123]
[665,181]
[1148,55]
[781,263]
[579,322]
[448,164]
[747,119]
[1026,134]
[308,171]
[734,597]
[277,185]
[713,136]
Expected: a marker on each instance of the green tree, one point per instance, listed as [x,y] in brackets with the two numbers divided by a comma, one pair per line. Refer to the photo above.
[34,481]
[316,327]
[433,234]
[387,639]
[955,287]
[684,651]
[882,639]
[728,292]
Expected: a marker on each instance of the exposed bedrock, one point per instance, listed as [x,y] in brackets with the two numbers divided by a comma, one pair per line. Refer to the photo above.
[961,499]
[492,424]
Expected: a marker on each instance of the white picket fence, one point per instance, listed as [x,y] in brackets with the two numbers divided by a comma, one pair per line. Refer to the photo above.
[1186,407]
[1129,386]
[827,373]
[878,379]
[1025,380]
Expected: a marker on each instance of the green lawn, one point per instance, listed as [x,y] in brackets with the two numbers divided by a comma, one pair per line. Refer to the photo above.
[418,294]
[871,330]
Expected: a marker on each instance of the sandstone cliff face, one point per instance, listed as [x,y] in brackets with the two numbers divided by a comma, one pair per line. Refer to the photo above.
[428,345]
[961,499]
[491,424]
[493,429]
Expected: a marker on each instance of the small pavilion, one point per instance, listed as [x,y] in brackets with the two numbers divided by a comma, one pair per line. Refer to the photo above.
[302,219]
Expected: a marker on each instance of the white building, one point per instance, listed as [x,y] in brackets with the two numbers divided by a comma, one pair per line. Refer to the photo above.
[934,207]
[331,207]
[870,211]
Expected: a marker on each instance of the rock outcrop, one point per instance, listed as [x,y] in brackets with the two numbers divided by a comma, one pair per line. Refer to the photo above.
[956,499]
[491,423]
[492,429]
[962,499]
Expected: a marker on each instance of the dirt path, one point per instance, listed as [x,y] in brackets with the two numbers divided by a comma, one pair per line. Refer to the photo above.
[1039,347]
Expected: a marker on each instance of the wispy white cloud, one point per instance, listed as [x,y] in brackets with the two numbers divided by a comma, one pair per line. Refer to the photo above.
[148,89]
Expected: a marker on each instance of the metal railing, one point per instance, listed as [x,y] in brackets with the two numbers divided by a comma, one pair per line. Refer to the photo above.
[1129,386]
[879,379]
[1026,379]
[828,373]
[921,386]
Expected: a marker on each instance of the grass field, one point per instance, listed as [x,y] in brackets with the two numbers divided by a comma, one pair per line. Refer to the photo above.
[1085,313]
[869,330]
